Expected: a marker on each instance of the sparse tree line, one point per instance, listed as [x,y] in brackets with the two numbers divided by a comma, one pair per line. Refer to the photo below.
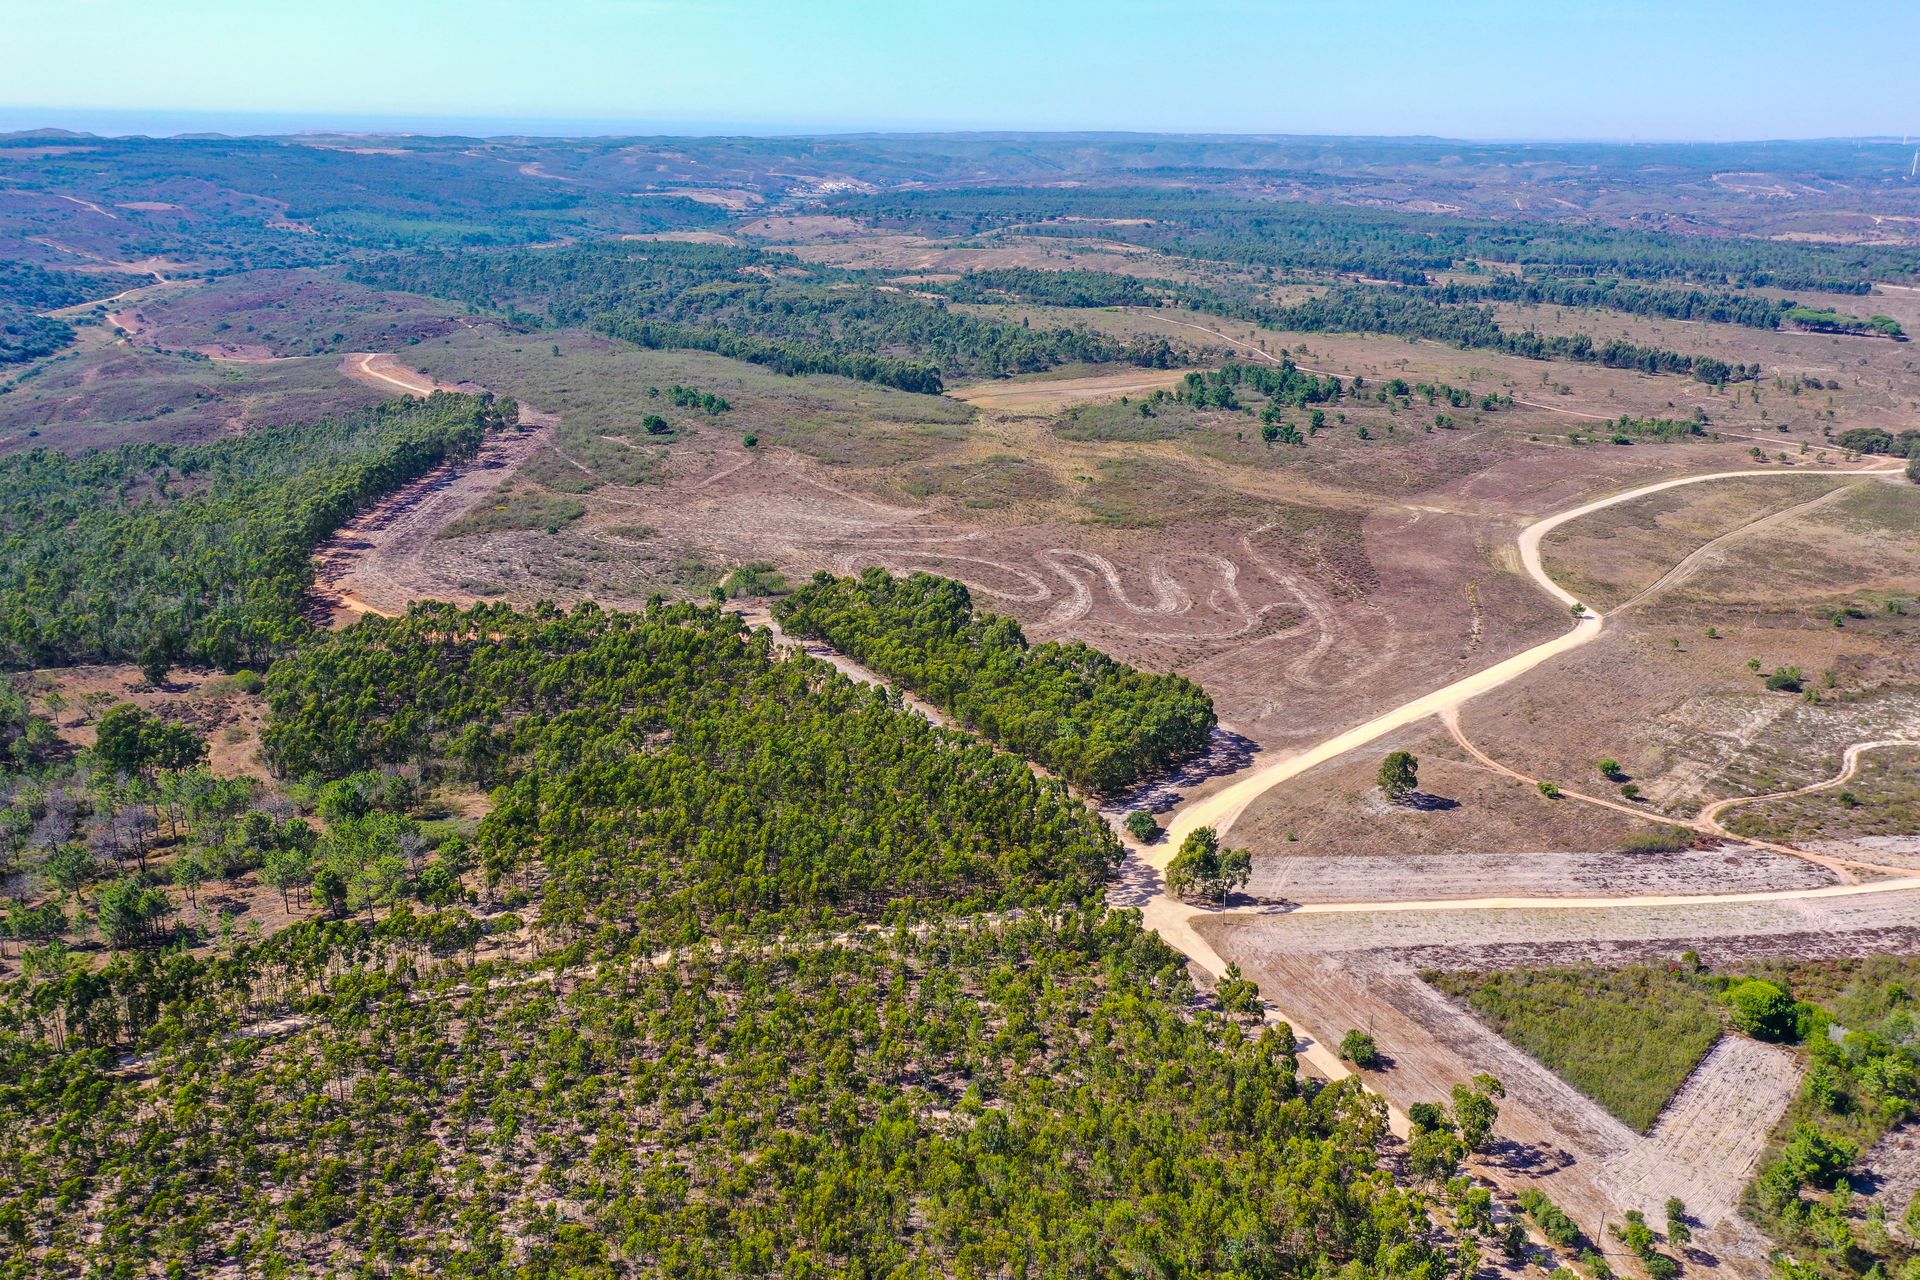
[1405,312]
[1408,313]
[1750,310]
[1383,245]
[1827,320]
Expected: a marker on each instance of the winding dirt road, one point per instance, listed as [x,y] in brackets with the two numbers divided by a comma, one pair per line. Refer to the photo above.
[1174,919]
[1849,765]
[1220,809]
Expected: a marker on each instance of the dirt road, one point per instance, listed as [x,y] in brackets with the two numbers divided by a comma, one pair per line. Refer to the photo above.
[1221,808]
[378,369]
[1142,886]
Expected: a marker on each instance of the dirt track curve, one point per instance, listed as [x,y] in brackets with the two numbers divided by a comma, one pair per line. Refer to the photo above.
[1174,919]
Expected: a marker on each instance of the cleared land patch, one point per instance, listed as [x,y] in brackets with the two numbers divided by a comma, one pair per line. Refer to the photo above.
[1607,557]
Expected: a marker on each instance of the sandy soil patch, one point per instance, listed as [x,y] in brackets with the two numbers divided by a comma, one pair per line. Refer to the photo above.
[1416,876]
[1709,1140]
[1042,394]
[799,227]
[1889,1173]
[684,237]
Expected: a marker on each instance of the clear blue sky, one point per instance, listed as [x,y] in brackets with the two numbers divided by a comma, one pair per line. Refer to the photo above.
[1462,68]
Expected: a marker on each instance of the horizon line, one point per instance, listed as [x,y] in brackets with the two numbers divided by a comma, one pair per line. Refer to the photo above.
[483,127]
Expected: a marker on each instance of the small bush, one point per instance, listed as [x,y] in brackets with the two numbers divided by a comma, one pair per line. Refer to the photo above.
[1551,1219]
[1358,1048]
[1142,826]
[1761,1009]
[1662,840]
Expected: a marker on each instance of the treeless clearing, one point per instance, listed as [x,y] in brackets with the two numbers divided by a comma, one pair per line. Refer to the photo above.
[1709,1140]
[1613,555]
[1041,394]
[208,700]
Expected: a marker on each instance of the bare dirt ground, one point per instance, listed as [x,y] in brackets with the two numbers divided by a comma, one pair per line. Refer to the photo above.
[374,563]
[1038,395]
[1613,556]
[1407,876]
[207,700]
[1889,1174]
[1687,715]
[1876,793]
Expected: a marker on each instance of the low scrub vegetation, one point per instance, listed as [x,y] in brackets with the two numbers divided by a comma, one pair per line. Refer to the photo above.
[1627,1038]
[511,509]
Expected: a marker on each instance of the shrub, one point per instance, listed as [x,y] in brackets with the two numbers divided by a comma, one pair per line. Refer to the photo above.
[1785,680]
[1358,1048]
[1663,839]
[1551,1219]
[1142,826]
[1815,1159]
[1761,1009]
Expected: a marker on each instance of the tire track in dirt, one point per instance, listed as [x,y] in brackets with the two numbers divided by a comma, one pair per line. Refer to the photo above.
[1175,921]
[1849,766]
[1709,551]
[375,563]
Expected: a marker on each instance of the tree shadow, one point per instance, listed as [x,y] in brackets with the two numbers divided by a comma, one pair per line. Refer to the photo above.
[1226,753]
[1134,884]
[1525,1157]
[1427,803]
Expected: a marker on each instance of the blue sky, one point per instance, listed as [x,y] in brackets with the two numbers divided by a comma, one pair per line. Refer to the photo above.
[1462,68]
